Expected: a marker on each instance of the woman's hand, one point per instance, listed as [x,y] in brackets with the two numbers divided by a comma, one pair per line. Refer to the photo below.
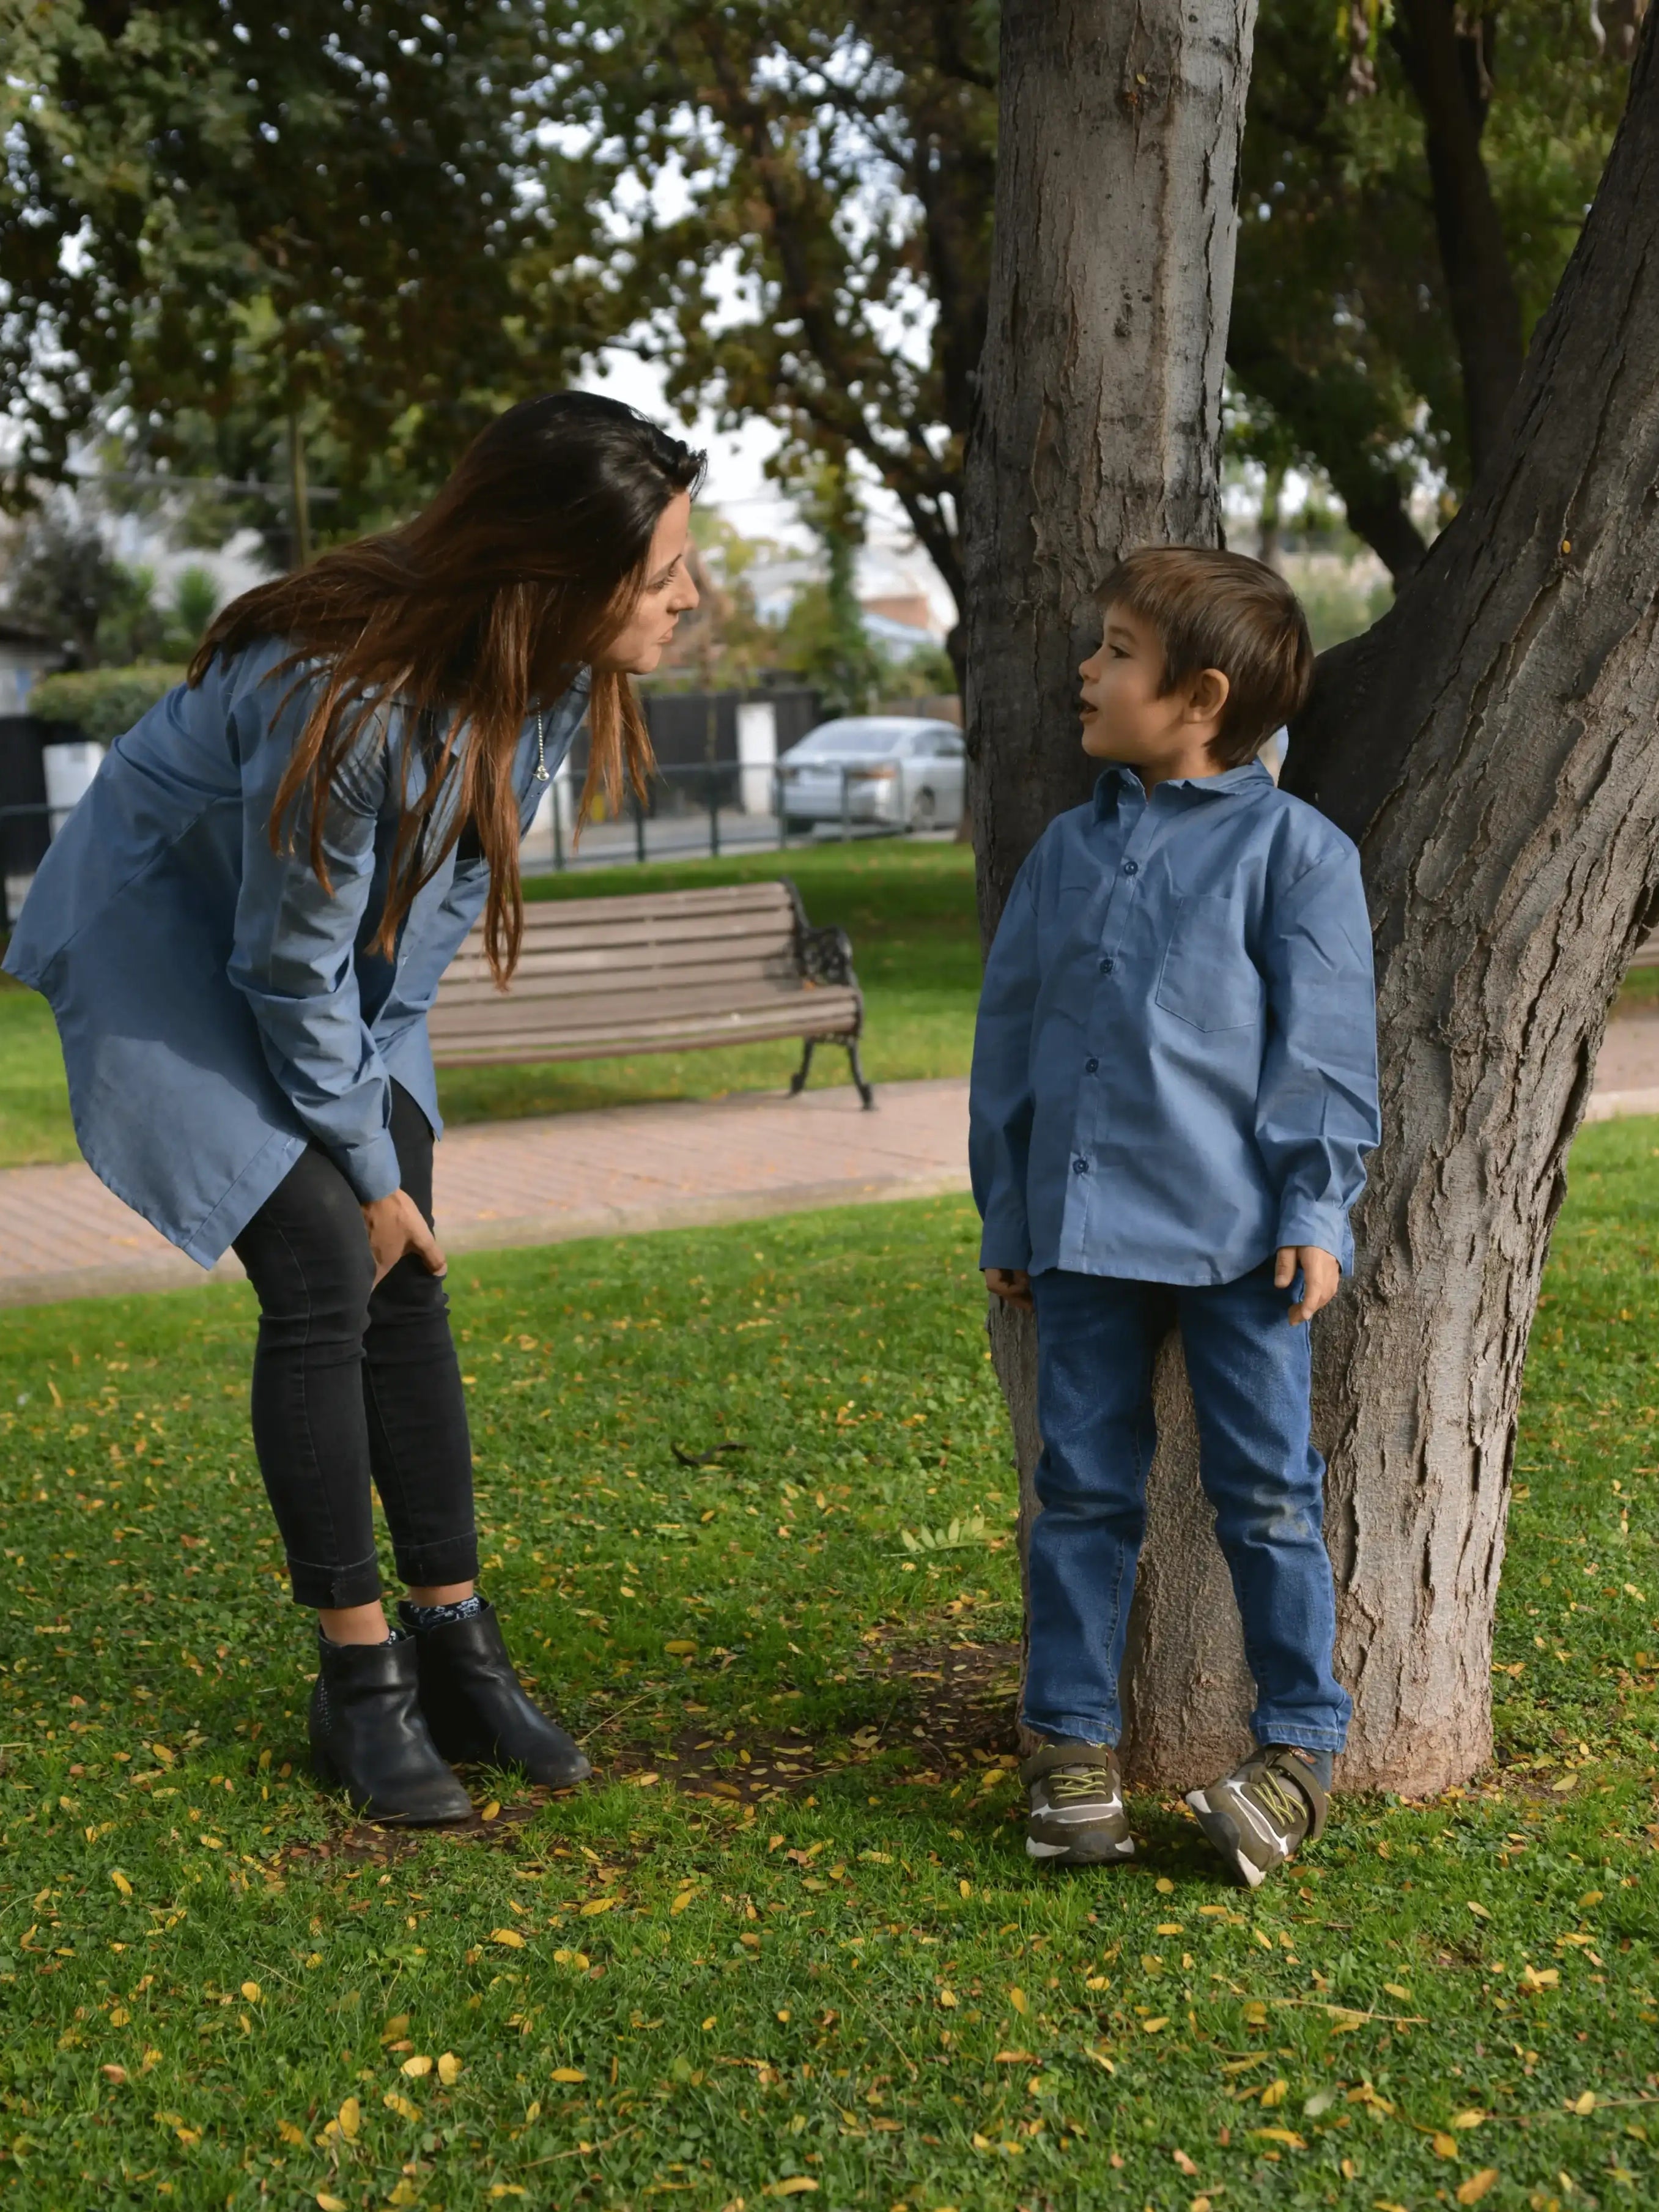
[396,1226]
[1011,1285]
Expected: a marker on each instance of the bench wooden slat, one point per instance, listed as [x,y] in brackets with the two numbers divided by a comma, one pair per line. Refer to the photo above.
[732,975]
[661,958]
[663,971]
[497,1016]
[604,1041]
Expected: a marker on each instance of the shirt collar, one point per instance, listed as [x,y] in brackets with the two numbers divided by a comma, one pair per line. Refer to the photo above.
[1117,777]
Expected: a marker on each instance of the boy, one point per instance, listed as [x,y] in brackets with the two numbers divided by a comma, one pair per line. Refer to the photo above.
[1175,1081]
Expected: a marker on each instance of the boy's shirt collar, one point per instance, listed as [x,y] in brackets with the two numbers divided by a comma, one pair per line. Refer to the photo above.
[1116,776]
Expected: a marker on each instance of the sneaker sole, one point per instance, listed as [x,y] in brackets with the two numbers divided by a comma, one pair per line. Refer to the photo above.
[1219,1827]
[1078,1854]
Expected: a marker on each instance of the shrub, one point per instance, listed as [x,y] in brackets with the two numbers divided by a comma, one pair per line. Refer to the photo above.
[103,702]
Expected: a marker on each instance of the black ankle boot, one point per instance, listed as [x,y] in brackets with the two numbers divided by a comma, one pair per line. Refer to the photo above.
[368,1736]
[477,1708]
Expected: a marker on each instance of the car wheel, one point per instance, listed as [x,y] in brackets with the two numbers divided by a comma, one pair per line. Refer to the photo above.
[797,825]
[924,810]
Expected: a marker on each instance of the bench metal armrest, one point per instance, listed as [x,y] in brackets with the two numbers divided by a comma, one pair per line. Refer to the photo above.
[825,955]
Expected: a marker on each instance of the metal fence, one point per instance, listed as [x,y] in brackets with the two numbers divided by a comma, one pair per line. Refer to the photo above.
[712,808]
[727,806]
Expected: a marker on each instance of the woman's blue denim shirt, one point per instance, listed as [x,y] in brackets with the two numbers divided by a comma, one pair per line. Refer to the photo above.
[1175,1069]
[220,1010]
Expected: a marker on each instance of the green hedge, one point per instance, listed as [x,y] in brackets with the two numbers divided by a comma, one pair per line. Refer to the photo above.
[103,702]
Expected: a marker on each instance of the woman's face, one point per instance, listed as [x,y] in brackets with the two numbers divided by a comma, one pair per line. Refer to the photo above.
[669,593]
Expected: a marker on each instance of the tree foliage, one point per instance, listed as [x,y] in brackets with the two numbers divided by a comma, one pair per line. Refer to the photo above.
[217,220]
[816,249]
[820,254]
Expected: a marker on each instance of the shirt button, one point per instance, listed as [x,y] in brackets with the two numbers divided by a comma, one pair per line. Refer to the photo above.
[1107,963]
[1079,1166]
[1132,867]
[1091,1067]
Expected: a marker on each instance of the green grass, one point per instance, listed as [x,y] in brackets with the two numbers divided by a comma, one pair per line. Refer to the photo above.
[850,1976]
[909,909]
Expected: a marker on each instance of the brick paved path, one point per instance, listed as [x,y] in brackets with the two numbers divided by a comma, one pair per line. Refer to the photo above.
[62,1235]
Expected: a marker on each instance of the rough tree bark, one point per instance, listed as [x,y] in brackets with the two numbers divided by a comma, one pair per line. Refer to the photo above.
[1491,743]
[1099,430]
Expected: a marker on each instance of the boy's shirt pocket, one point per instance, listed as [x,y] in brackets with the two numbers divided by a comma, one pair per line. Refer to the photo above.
[1209,978]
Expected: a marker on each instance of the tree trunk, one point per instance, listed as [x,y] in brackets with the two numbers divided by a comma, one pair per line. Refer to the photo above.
[1099,431]
[1492,743]
[1443,52]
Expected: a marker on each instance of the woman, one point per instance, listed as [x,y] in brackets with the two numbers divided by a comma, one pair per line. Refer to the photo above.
[241,931]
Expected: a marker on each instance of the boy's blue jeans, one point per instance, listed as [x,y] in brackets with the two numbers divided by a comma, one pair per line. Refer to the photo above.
[1250,1373]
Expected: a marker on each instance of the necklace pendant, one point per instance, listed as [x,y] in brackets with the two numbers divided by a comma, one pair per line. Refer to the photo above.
[542,773]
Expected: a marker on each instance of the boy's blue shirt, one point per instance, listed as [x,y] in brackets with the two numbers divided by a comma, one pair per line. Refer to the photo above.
[1175,1066]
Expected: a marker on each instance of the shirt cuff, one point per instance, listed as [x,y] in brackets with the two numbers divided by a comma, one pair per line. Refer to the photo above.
[1305,1221]
[1004,1244]
[372,1168]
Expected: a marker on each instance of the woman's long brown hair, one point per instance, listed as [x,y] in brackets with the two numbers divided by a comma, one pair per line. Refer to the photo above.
[483,608]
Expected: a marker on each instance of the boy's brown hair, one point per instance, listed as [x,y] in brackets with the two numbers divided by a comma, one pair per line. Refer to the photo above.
[1211,610]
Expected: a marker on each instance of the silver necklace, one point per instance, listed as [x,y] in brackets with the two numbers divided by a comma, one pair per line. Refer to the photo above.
[542,775]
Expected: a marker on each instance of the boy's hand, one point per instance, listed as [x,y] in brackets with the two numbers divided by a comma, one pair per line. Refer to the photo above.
[1011,1285]
[1319,1276]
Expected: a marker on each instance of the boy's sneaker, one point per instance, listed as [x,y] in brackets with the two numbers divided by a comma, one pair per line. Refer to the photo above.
[1258,1816]
[1076,1816]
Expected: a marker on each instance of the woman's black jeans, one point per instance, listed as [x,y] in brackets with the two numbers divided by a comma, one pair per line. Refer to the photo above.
[351,1381]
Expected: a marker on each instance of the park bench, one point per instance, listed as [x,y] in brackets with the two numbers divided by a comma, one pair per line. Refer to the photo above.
[669,971]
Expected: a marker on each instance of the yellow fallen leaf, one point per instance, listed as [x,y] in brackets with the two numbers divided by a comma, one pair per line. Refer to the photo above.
[577,1961]
[1397,1989]
[1586,2103]
[1098,1982]
[948,1999]
[1591,1897]
[400,2105]
[416,2066]
[492,1811]
[798,2184]
[1472,2191]
[1188,2165]
[1169,1927]
[1152,2027]
[680,1646]
[509,1937]
[1469,2119]
[327,2203]
[289,2133]
[567,2074]
[350,2117]
[253,1992]
[120,1882]
[506,2189]
[1266,1941]
[1288,2136]
[682,1900]
[1018,1999]
[1546,1977]
[1276,2092]
[116,2073]
[644,1781]
[1478,1911]
[596,1906]
[1163,1885]
[449,2070]
[965,1888]
[1445,2146]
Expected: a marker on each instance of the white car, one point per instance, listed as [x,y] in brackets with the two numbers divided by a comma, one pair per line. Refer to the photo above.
[896,771]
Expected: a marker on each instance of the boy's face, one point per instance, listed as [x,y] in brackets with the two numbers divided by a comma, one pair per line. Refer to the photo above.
[1127,716]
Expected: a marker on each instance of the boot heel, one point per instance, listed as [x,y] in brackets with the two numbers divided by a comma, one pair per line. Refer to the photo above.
[324,1768]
